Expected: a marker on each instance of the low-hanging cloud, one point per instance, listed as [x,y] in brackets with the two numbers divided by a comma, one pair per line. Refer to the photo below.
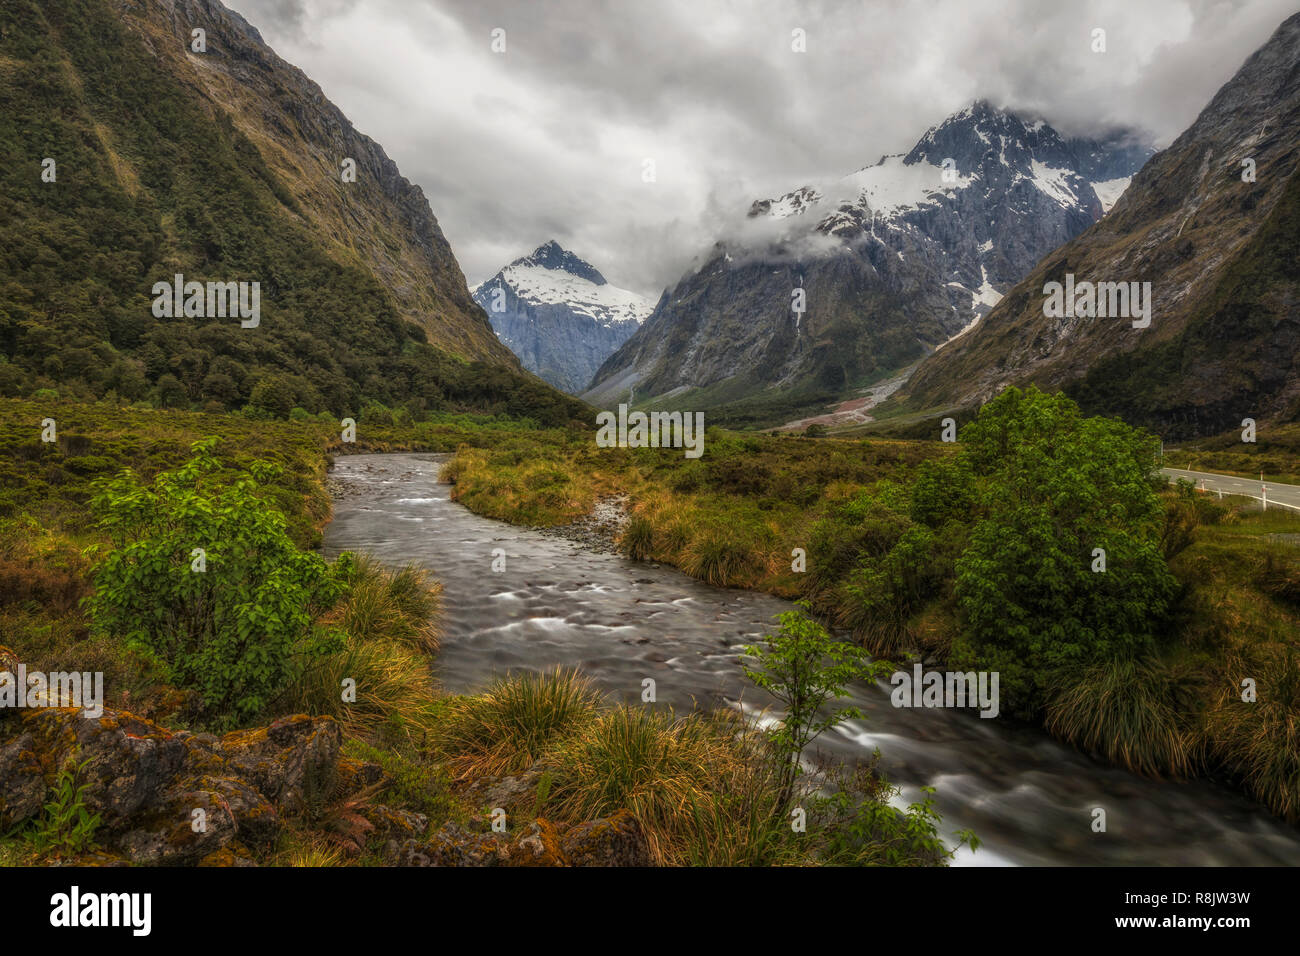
[550,138]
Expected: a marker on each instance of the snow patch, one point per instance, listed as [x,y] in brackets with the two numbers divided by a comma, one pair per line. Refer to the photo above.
[1054,182]
[1109,191]
[892,186]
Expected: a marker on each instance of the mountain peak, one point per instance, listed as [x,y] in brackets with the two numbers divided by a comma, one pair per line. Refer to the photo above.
[1191,224]
[551,255]
[982,132]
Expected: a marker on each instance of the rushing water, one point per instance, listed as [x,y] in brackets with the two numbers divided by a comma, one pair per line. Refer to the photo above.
[1029,798]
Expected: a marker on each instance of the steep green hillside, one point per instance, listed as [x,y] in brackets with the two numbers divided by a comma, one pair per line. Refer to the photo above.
[154,180]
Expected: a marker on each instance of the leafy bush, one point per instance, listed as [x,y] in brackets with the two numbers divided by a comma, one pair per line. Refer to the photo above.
[864,528]
[234,622]
[943,490]
[856,824]
[1056,487]
[804,668]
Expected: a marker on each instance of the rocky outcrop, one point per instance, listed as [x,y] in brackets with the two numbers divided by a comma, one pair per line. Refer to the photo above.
[168,798]
[164,797]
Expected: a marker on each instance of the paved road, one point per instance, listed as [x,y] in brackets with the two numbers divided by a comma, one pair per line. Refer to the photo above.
[1278,494]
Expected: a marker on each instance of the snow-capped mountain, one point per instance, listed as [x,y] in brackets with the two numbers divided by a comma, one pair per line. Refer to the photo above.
[559,315]
[1219,249]
[895,260]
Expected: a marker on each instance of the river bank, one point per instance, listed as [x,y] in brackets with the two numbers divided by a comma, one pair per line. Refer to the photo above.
[872,533]
[1029,798]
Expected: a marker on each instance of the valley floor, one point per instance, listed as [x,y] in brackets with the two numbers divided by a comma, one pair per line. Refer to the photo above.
[741,517]
[847,525]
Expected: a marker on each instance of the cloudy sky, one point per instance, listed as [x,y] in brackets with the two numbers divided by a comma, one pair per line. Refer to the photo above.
[549,139]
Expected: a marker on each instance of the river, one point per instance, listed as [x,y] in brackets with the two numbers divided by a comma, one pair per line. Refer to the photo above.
[1029,798]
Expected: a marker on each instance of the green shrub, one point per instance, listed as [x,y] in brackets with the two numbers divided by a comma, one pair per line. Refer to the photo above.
[805,669]
[1056,487]
[234,621]
[864,829]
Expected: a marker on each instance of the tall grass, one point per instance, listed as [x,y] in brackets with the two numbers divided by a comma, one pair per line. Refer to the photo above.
[1133,713]
[510,726]
[1260,740]
[697,792]
[394,690]
[638,539]
[721,557]
[389,621]
[398,604]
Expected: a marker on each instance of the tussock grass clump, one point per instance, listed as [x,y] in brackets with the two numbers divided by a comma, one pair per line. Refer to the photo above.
[1279,574]
[1260,740]
[721,557]
[510,726]
[398,604]
[638,539]
[312,854]
[1133,713]
[889,639]
[387,620]
[394,689]
[686,779]
[676,536]
[742,823]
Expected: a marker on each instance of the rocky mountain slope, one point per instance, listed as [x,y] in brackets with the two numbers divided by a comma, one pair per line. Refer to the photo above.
[893,261]
[559,314]
[381,221]
[1213,223]
[128,156]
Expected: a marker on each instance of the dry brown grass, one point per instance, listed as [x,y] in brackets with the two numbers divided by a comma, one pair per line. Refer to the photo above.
[511,725]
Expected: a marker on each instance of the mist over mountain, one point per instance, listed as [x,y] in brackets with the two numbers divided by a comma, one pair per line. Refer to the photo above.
[893,261]
[1212,223]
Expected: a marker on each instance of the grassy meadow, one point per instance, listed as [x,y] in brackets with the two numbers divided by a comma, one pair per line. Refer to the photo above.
[701,786]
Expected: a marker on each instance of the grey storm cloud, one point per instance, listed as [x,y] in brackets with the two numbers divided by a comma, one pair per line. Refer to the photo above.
[550,138]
